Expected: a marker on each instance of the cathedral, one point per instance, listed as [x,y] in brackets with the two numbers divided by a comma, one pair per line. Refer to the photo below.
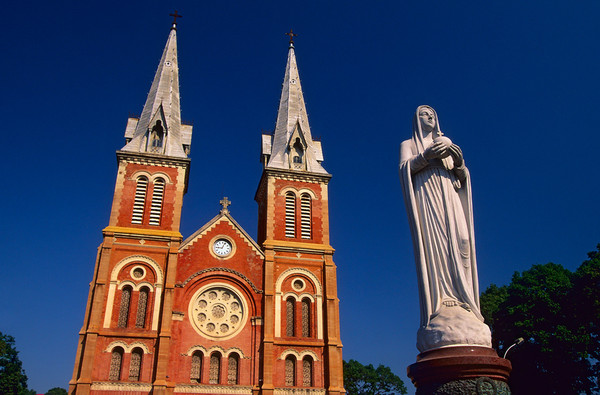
[215,312]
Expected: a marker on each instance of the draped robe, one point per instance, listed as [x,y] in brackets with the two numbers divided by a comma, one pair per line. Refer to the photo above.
[440,214]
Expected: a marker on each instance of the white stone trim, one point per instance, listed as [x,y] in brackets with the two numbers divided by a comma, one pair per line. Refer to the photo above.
[279,297]
[307,296]
[299,355]
[121,387]
[195,348]
[127,348]
[212,389]
[151,176]
[144,272]
[292,294]
[299,391]
[114,283]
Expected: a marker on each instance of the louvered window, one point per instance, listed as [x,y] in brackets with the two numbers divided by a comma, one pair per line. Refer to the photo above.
[215,368]
[290,371]
[116,359]
[290,304]
[157,200]
[196,373]
[290,215]
[305,217]
[307,379]
[140,319]
[124,308]
[306,317]
[139,200]
[232,369]
[135,366]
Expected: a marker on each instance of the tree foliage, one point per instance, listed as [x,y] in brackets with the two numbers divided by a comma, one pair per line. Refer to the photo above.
[557,312]
[367,380]
[56,391]
[12,376]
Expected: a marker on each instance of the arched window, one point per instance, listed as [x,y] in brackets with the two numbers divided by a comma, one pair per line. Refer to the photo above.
[196,373]
[306,317]
[305,217]
[139,200]
[157,201]
[116,359]
[290,214]
[307,372]
[156,137]
[124,309]
[215,368]
[140,318]
[232,369]
[290,371]
[135,366]
[290,316]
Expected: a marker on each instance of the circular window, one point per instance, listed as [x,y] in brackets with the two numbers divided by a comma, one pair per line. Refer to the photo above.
[218,311]
[138,272]
[298,284]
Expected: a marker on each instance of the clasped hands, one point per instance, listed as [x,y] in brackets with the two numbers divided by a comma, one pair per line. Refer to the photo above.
[441,151]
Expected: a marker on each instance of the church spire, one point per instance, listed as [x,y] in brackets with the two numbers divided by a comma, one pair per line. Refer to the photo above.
[159,129]
[292,146]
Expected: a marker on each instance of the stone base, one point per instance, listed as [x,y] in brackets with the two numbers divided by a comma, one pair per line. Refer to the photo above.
[460,370]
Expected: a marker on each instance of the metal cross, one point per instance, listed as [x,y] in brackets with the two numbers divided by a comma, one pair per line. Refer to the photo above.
[224,202]
[175,15]
[292,35]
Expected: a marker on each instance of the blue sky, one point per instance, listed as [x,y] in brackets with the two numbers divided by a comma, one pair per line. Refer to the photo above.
[514,84]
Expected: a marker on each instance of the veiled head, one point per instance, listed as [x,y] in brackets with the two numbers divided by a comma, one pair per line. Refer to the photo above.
[424,122]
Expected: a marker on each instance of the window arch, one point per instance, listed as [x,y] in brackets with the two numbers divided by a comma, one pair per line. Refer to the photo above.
[233,363]
[139,201]
[290,214]
[140,318]
[290,316]
[215,368]
[124,308]
[157,200]
[196,372]
[306,321]
[116,360]
[307,372]
[305,216]
[135,366]
[290,371]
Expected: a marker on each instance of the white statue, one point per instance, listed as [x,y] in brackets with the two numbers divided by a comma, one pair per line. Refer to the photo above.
[437,193]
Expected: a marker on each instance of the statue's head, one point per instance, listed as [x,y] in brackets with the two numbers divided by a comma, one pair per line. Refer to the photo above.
[427,118]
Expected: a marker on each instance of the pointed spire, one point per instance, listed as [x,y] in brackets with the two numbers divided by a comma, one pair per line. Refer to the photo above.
[159,128]
[292,144]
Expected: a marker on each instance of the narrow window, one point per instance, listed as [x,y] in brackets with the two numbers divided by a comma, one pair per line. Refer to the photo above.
[135,366]
[140,318]
[215,368]
[232,369]
[307,376]
[157,200]
[124,309]
[139,200]
[290,305]
[196,373]
[290,215]
[115,364]
[305,217]
[290,371]
[306,317]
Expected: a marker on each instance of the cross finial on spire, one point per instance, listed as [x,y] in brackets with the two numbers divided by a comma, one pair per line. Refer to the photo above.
[225,203]
[175,15]
[292,35]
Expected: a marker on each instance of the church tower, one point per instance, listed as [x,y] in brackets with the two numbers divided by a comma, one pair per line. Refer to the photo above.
[128,313]
[301,307]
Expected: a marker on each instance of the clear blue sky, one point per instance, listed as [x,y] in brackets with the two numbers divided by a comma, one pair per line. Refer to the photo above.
[515,84]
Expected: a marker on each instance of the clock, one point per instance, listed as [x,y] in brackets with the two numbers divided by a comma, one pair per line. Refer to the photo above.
[222,247]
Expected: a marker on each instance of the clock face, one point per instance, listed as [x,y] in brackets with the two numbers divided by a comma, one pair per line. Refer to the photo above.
[222,247]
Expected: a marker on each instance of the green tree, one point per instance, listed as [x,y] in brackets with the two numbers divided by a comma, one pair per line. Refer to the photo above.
[366,380]
[541,305]
[12,376]
[56,391]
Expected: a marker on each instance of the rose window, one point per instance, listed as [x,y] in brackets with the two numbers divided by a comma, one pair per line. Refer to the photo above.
[218,312]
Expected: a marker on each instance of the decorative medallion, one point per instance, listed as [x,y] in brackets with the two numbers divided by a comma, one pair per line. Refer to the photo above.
[218,311]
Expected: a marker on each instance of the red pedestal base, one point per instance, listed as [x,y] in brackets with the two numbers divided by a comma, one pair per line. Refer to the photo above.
[456,369]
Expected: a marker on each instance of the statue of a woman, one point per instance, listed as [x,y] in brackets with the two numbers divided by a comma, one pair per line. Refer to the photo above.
[437,193]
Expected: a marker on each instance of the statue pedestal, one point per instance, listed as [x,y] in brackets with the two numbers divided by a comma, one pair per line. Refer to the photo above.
[460,370]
